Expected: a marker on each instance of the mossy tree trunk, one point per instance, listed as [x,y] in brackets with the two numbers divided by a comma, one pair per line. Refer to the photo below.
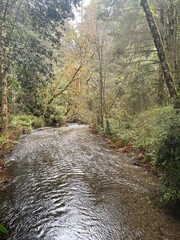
[161,51]
[101,88]
[4,105]
[4,49]
[161,92]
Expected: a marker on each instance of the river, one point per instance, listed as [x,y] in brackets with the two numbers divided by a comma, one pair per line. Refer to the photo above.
[68,184]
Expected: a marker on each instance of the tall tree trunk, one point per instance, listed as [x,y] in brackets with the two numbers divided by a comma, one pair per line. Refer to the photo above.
[101,88]
[161,51]
[161,93]
[4,105]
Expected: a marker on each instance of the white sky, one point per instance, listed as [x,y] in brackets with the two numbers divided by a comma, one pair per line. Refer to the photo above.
[77,11]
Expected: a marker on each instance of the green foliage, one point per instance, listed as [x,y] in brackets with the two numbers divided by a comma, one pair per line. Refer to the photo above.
[152,9]
[21,124]
[48,16]
[150,127]
[2,139]
[31,41]
[157,132]
[54,116]
[170,195]
[3,229]
[168,161]
[118,128]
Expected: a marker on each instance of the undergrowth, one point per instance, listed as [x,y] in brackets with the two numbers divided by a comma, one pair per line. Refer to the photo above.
[21,124]
[156,132]
[18,125]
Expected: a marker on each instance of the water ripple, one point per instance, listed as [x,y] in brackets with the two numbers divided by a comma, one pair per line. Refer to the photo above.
[66,184]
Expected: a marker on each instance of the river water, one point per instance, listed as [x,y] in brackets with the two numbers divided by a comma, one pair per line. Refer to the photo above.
[67,184]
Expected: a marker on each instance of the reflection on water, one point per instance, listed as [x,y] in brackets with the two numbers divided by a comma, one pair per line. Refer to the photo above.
[66,184]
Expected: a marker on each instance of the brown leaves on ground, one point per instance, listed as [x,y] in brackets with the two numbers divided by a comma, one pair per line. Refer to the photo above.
[126,149]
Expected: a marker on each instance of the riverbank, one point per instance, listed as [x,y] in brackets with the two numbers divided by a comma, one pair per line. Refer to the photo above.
[154,137]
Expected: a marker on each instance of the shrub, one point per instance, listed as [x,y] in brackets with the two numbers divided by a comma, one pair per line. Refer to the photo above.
[118,128]
[54,116]
[150,127]
[156,132]
[21,124]
[168,161]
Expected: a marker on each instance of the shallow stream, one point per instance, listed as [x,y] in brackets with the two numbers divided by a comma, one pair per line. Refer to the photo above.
[68,184]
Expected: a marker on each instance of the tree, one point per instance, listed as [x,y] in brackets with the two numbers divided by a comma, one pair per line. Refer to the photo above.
[161,50]
[24,27]
[4,49]
[133,54]
[23,23]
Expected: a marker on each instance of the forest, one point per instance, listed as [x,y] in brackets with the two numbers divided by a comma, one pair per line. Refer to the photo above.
[111,64]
